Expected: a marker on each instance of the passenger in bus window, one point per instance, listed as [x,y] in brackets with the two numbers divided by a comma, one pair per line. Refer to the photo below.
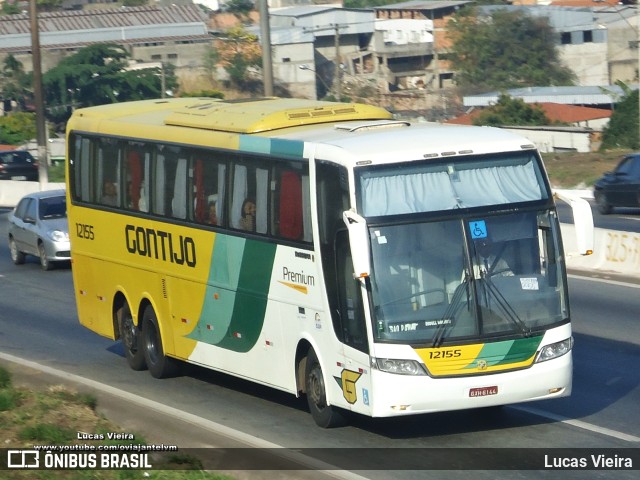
[212,215]
[248,219]
[109,194]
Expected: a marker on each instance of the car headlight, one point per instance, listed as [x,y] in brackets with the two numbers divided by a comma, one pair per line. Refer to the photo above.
[555,350]
[58,235]
[400,367]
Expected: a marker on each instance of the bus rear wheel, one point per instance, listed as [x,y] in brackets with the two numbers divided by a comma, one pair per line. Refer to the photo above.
[325,416]
[159,365]
[130,335]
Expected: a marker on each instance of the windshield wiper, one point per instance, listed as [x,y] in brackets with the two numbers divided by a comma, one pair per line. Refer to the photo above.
[451,309]
[506,307]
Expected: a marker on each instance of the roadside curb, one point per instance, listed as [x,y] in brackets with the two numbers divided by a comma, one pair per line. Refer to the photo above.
[161,424]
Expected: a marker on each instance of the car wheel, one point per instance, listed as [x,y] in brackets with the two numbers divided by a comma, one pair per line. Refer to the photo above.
[16,255]
[603,205]
[44,261]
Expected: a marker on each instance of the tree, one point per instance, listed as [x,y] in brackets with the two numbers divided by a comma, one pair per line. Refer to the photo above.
[49,5]
[134,3]
[15,83]
[512,111]
[622,130]
[17,128]
[97,75]
[239,52]
[506,50]
[241,7]
[9,8]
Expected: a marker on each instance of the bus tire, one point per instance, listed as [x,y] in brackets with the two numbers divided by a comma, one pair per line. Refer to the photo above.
[325,416]
[159,365]
[130,336]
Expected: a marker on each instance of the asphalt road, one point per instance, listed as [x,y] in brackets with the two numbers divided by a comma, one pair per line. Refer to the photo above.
[203,409]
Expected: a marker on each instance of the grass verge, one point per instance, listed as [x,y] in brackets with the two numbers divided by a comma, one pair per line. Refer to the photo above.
[55,416]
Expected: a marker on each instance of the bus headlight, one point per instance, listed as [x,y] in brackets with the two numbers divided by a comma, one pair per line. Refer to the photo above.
[555,350]
[400,367]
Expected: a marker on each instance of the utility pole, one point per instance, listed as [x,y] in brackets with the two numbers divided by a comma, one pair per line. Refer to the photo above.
[338,63]
[267,64]
[337,79]
[41,127]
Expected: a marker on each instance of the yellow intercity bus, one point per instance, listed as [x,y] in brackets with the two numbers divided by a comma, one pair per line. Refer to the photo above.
[323,249]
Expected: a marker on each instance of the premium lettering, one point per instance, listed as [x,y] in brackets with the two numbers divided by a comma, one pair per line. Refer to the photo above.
[298,277]
[160,245]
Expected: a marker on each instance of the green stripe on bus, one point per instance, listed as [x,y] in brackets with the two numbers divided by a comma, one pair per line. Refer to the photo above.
[220,295]
[507,352]
[521,350]
[236,296]
[251,297]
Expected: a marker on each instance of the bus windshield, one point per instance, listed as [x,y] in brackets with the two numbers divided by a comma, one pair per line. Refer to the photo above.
[469,182]
[464,278]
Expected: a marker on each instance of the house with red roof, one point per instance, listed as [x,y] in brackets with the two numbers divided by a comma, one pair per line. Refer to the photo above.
[579,128]
[570,115]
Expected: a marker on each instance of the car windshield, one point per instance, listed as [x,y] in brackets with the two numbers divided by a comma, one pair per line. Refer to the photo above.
[466,278]
[52,207]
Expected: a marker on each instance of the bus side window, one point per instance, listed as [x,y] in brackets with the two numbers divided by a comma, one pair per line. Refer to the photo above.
[208,190]
[199,202]
[81,171]
[239,194]
[167,177]
[350,305]
[135,179]
[290,211]
[249,198]
[179,200]
[108,166]
[333,199]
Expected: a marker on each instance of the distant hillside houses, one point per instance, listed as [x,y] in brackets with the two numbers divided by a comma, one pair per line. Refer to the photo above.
[396,54]
[579,128]
[176,34]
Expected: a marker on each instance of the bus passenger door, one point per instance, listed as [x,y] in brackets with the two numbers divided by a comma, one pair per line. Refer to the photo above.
[347,363]
[355,378]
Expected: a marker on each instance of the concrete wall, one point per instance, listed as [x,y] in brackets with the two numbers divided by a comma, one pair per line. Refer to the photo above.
[11,191]
[549,140]
[614,251]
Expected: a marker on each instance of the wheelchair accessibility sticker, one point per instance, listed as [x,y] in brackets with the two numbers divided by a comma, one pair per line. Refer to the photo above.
[478,229]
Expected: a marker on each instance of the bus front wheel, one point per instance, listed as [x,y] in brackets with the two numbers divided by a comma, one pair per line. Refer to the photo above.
[325,416]
[159,365]
[130,335]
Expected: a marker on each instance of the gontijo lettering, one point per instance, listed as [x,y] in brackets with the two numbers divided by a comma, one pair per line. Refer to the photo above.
[160,245]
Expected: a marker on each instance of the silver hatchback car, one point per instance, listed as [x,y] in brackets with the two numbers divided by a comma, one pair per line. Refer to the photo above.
[38,226]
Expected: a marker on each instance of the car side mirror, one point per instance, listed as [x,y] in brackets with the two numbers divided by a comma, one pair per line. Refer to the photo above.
[29,220]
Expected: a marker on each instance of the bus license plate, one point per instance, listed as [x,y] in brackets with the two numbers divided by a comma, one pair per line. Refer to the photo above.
[18,177]
[483,391]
